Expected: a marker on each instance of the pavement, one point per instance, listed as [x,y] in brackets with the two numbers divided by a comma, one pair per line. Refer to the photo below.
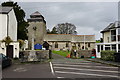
[104,62]
[61,68]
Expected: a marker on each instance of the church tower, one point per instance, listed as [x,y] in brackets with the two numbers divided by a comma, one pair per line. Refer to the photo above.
[36,29]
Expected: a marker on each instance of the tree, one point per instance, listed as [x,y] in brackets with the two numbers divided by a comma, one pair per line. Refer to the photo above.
[66,28]
[54,31]
[48,31]
[20,15]
[7,40]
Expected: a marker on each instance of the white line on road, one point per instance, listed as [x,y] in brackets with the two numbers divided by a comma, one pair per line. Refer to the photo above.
[85,74]
[83,66]
[85,69]
[60,77]
[52,69]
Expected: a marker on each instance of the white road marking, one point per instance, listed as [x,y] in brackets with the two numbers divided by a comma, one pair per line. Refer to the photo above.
[86,69]
[85,74]
[70,63]
[60,77]
[52,69]
[20,69]
[83,66]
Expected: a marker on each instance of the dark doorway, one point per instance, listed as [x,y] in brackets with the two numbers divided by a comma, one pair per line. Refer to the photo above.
[9,51]
[46,45]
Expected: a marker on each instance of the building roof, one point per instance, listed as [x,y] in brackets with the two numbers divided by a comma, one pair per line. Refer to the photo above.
[5,10]
[111,26]
[36,13]
[69,37]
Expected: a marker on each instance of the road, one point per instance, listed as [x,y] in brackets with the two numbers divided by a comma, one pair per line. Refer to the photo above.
[61,67]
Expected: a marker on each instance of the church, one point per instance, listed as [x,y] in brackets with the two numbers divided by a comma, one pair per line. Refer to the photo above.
[37,34]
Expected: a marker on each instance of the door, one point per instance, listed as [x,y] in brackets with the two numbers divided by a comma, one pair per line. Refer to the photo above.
[9,51]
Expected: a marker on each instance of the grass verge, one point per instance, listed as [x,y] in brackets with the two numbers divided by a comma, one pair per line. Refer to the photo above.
[62,53]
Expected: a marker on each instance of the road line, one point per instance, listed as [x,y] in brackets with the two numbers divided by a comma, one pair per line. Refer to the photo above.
[60,77]
[85,69]
[71,63]
[52,69]
[82,65]
[85,74]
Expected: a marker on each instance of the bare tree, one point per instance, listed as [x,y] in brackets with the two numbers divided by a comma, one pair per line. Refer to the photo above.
[66,28]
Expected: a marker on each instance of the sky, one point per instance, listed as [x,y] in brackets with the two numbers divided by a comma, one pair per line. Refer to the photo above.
[88,17]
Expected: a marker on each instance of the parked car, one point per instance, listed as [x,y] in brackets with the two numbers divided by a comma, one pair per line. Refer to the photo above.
[5,61]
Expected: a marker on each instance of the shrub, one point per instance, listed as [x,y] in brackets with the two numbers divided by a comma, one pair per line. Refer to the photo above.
[107,55]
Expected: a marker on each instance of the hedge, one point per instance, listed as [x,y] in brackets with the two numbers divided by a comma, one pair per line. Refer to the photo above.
[107,55]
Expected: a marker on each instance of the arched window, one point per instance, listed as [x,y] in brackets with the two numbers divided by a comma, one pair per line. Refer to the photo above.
[56,45]
[67,44]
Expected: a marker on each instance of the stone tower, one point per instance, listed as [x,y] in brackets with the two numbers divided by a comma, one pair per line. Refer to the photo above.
[36,29]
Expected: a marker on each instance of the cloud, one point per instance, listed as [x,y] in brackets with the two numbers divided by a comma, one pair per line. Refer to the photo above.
[88,17]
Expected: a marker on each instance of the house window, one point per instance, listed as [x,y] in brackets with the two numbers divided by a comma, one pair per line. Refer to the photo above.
[56,45]
[114,47]
[108,39]
[88,44]
[118,34]
[101,47]
[118,47]
[67,44]
[107,47]
[98,48]
[113,35]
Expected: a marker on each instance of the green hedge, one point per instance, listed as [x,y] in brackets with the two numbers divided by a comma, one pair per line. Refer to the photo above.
[107,55]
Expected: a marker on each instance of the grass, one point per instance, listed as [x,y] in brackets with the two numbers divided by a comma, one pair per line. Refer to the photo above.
[62,53]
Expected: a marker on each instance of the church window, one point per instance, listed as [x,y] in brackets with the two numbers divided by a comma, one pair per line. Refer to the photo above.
[56,45]
[88,44]
[67,44]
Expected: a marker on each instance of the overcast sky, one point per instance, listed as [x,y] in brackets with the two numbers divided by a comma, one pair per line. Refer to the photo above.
[88,17]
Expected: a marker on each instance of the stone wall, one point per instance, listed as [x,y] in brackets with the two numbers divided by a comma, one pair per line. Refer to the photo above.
[35,55]
[85,53]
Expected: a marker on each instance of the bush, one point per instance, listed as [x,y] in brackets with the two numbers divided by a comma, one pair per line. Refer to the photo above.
[107,55]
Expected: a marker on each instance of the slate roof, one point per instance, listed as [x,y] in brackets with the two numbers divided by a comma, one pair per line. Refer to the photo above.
[5,10]
[69,37]
[111,26]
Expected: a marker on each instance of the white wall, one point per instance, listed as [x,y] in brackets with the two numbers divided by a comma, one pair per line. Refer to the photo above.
[15,49]
[12,31]
[12,25]
[3,26]
[2,48]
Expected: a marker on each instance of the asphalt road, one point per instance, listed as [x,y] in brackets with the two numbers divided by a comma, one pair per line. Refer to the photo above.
[60,68]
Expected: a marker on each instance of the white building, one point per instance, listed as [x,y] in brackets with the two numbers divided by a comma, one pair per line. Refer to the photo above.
[111,39]
[8,27]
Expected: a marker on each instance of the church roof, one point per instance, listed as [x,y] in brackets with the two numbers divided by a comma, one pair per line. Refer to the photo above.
[35,13]
[5,10]
[69,37]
